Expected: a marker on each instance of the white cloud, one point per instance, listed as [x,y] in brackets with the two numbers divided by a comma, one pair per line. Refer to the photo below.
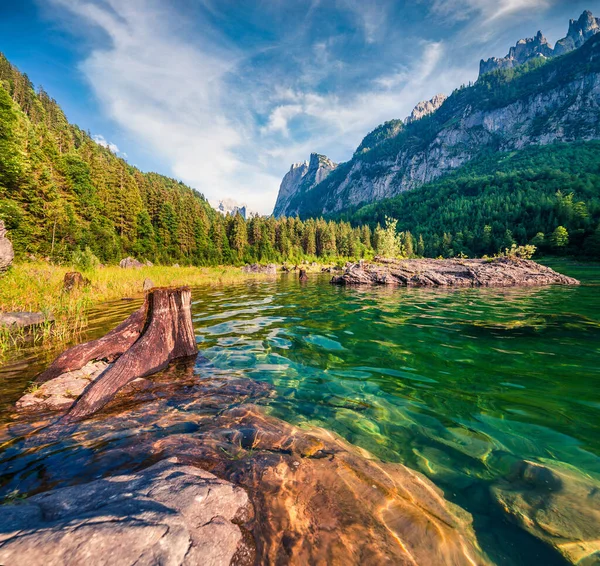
[489,10]
[101,140]
[219,126]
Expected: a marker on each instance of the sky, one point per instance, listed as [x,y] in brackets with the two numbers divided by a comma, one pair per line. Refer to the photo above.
[225,95]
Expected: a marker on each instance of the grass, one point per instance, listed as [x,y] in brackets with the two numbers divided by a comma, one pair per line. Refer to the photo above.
[38,287]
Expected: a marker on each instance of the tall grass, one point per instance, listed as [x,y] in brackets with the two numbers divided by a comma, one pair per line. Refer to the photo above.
[38,287]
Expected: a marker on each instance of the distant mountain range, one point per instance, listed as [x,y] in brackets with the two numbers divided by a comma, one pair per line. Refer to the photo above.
[230,206]
[536,95]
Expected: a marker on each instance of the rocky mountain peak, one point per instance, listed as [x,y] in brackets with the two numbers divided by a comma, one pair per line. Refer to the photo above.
[425,108]
[527,49]
[301,178]
[579,32]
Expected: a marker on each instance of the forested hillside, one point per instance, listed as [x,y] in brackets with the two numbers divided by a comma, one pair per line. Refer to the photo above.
[548,196]
[61,192]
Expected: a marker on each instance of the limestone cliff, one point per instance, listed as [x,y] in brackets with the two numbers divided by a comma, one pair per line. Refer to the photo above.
[301,178]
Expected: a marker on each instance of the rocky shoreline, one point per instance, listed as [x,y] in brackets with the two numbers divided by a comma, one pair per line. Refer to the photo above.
[496,272]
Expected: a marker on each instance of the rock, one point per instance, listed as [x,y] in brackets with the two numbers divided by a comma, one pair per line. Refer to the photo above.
[175,265]
[130,263]
[579,32]
[556,503]
[316,496]
[526,49]
[74,280]
[166,514]
[59,394]
[269,269]
[425,108]
[148,263]
[14,320]
[499,272]
[302,177]
[302,275]
[7,253]
[523,51]
[148,284]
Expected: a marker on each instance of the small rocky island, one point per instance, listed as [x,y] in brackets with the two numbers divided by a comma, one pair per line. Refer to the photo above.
[496,272]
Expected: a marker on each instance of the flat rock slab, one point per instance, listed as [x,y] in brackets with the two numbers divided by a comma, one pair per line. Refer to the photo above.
[497,272]
[15,320]
[60,393]
[166,514]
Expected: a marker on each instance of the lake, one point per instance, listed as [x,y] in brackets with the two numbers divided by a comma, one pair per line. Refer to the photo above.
[460,385]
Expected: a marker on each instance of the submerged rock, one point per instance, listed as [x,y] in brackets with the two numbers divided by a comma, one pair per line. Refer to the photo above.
[498,272]
[269,269]
[318,497]
[6,249]
[315,496]
[556,503]
[166,514]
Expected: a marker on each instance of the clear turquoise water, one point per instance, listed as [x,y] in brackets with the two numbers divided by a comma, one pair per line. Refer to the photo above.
[456,384]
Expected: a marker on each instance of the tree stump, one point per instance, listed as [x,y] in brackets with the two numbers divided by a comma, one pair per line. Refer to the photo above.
[303,276]
[159,332]
[74,280]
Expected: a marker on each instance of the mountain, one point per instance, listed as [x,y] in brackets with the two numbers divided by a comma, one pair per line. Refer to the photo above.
[527,49]
[542,101]
[425,108]
[230,206]
[300,179]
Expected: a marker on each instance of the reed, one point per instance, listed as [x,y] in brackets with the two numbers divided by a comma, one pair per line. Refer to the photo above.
[38,287]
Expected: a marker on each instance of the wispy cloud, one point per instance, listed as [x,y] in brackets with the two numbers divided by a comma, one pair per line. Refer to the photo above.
[101,140]
[489,11]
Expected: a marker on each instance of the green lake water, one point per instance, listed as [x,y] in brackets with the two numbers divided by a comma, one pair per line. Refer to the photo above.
[457,384]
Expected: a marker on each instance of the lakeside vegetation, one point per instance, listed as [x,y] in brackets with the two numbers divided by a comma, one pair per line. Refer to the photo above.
[38,287]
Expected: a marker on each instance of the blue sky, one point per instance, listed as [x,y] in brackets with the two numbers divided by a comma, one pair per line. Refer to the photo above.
[225,95]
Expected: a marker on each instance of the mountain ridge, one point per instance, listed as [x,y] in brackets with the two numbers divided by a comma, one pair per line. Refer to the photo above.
[540,101]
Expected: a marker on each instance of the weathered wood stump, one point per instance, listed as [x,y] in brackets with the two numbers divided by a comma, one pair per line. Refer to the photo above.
[159,332]
[74,280]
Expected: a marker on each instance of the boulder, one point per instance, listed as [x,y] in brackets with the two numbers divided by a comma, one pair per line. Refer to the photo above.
[148,284]
[556,503]
[149,264]
[130,263]
[6,249]
[166,514]
[15,320]
[74,280]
